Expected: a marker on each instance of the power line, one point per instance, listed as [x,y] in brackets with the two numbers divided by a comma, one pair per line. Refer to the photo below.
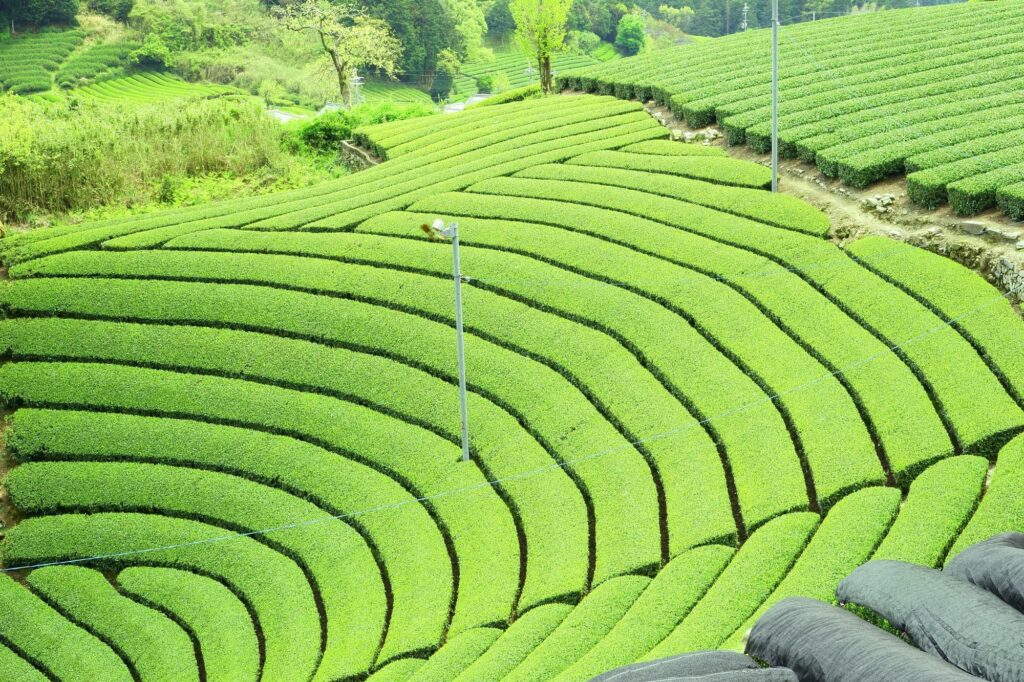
[526,474]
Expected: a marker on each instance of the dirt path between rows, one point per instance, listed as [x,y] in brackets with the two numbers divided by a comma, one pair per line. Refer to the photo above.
[989,243]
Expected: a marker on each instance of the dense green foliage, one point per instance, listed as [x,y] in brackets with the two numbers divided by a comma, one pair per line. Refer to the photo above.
[859,104]
[685,402]
[95,153]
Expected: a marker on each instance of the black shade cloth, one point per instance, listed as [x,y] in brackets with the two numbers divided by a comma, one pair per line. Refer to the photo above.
[823,643]
[969,627]
[997,565]
[702,666]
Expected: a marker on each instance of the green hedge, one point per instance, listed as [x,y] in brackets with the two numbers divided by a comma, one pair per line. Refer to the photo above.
[758,567]
[274,588]
[974,307]
[779,210]
[1002,508]
[1011,200]
[846,538]
[671,148]
[676,589]
[17,669]
[933,186]
[456,655]
[514,644]
[154,645]
[52,643]
[338,564]
[937,508]
[724,171]
[581,629]
[216,617]
[977,193]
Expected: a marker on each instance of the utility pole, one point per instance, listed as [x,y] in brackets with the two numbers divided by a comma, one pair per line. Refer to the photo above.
[439,229]
[775,95]
[746,8]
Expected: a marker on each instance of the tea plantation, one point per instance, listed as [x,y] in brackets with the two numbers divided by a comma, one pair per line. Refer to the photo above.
[234,428]
[859,103]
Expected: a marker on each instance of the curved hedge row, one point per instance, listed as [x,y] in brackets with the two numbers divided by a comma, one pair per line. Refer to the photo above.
[685,404]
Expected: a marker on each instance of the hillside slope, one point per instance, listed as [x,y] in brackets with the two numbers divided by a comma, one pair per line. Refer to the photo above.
[934,92]
[685,404]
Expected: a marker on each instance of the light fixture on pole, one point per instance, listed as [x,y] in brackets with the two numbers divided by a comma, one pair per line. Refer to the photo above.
[441,231]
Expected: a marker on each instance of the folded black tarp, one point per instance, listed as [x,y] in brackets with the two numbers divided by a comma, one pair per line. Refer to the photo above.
[699,666]
[823,643]
[997,565]
[970,627]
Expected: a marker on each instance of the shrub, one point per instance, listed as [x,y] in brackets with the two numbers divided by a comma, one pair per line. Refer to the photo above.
[325,133]
[631,34]
[153,53]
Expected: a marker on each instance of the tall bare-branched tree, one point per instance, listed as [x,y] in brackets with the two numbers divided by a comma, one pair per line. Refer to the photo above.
[349,37]
[540,30]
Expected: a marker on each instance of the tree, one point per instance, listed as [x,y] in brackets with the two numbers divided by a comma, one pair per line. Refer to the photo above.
[540,30]
[350,37]
[631,34]
[39,12]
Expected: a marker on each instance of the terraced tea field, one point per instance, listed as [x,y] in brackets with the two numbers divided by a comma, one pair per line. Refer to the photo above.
[235,432]
[519,70]
[27,63]
[144,88]
[860,104]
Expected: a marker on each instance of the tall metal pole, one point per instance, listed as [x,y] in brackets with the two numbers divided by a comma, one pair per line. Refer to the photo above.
[460,349]
[775,95]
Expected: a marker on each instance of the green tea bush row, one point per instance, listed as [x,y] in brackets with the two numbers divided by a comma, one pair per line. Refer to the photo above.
[583,628]
[999,134]
[845,539]
[16,668]
[152,344]
[758,567]
[667,599]
[217,619]
[672,148]
[972,306]
[154,645]
[723,171]
[339,566]
[49,640]
[516,642]
[779,210]
[977,193]
[1001,509]
[1011,200]
[564,556]
[272,586]
[420,582]
[457,654]
[938,505]
[526,92]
